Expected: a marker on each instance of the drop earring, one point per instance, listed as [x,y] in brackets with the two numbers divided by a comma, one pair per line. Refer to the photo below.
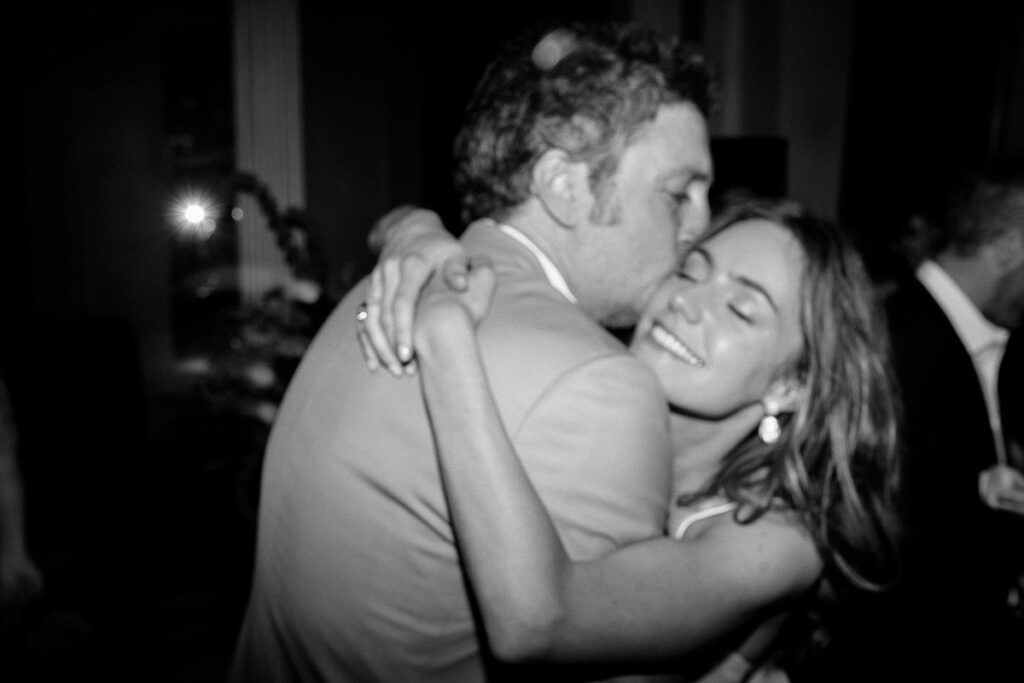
[769,429]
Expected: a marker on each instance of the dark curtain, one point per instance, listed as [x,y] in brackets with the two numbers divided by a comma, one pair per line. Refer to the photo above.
[933,87]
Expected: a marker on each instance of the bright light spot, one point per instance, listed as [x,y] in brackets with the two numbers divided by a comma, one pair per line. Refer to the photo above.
[237,213]
[194,214]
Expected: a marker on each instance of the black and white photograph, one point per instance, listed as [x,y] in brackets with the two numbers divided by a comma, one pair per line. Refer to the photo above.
[675,341]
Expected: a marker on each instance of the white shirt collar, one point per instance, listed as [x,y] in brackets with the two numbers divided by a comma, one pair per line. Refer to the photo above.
[547,265]
[974,330]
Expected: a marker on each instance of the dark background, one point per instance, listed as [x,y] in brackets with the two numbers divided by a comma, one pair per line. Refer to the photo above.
[140,484]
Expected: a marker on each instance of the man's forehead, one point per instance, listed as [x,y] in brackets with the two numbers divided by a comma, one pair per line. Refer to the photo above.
[677,139]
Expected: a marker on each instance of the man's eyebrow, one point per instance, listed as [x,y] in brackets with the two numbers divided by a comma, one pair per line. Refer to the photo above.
[702,174]
[756,286]
[691,172]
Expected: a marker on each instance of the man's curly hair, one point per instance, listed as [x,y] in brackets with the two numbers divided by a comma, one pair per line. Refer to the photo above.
[585,89]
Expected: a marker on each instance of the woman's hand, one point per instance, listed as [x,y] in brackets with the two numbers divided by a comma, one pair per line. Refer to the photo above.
[414,245]
[445,316]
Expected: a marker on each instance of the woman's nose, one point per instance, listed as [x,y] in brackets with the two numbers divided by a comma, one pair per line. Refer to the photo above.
[686,302]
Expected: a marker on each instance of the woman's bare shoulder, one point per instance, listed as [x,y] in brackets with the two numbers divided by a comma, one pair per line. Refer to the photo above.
[774,553]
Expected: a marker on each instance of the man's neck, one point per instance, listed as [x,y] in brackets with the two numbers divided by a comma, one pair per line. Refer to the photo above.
[547,235]
[554,241]
[971,275]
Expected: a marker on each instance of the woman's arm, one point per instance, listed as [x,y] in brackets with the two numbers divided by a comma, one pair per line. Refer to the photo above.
[653,600]
[412,244]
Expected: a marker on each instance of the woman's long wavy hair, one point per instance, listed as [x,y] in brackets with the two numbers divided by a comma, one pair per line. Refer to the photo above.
[834,464]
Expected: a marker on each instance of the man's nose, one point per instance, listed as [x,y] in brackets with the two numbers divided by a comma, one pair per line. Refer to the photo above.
[695,221]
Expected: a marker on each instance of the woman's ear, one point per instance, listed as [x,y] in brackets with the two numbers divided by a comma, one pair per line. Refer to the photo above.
[786,395]
[561,187]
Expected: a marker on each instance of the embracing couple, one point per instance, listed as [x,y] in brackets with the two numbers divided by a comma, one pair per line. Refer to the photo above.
[529,497]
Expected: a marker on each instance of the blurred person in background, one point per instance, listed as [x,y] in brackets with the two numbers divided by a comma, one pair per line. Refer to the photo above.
[955,319]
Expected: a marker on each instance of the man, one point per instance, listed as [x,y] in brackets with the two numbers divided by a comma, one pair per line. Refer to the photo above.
[588,147]
[956,333]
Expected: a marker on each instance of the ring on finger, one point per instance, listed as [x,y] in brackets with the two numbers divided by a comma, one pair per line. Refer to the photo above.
[361,313]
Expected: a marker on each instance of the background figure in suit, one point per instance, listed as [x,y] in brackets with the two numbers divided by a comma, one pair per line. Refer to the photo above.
[588,147]
[955,324]
[1011,397]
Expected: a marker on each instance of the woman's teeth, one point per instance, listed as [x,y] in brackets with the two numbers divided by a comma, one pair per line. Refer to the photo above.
[673,345]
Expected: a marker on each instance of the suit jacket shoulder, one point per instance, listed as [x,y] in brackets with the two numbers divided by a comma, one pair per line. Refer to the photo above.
[574,401]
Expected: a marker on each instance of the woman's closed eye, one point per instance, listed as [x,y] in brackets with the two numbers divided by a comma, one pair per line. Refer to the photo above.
[744,311]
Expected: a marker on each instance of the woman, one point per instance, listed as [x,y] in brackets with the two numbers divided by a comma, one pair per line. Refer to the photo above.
[784,425]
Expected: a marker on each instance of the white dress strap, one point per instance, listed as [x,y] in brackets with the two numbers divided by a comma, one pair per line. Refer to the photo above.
[719,509]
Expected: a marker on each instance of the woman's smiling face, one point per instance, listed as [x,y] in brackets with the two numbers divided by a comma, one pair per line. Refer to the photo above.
[719,332]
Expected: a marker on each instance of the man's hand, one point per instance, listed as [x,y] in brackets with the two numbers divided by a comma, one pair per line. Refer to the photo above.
[20,579]
[1002,488]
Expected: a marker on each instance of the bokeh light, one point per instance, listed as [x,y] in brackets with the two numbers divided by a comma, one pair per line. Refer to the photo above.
[194,214]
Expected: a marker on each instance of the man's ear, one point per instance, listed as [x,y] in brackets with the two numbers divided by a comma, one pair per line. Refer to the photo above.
[1008,250]
[561,186]
[787,395]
